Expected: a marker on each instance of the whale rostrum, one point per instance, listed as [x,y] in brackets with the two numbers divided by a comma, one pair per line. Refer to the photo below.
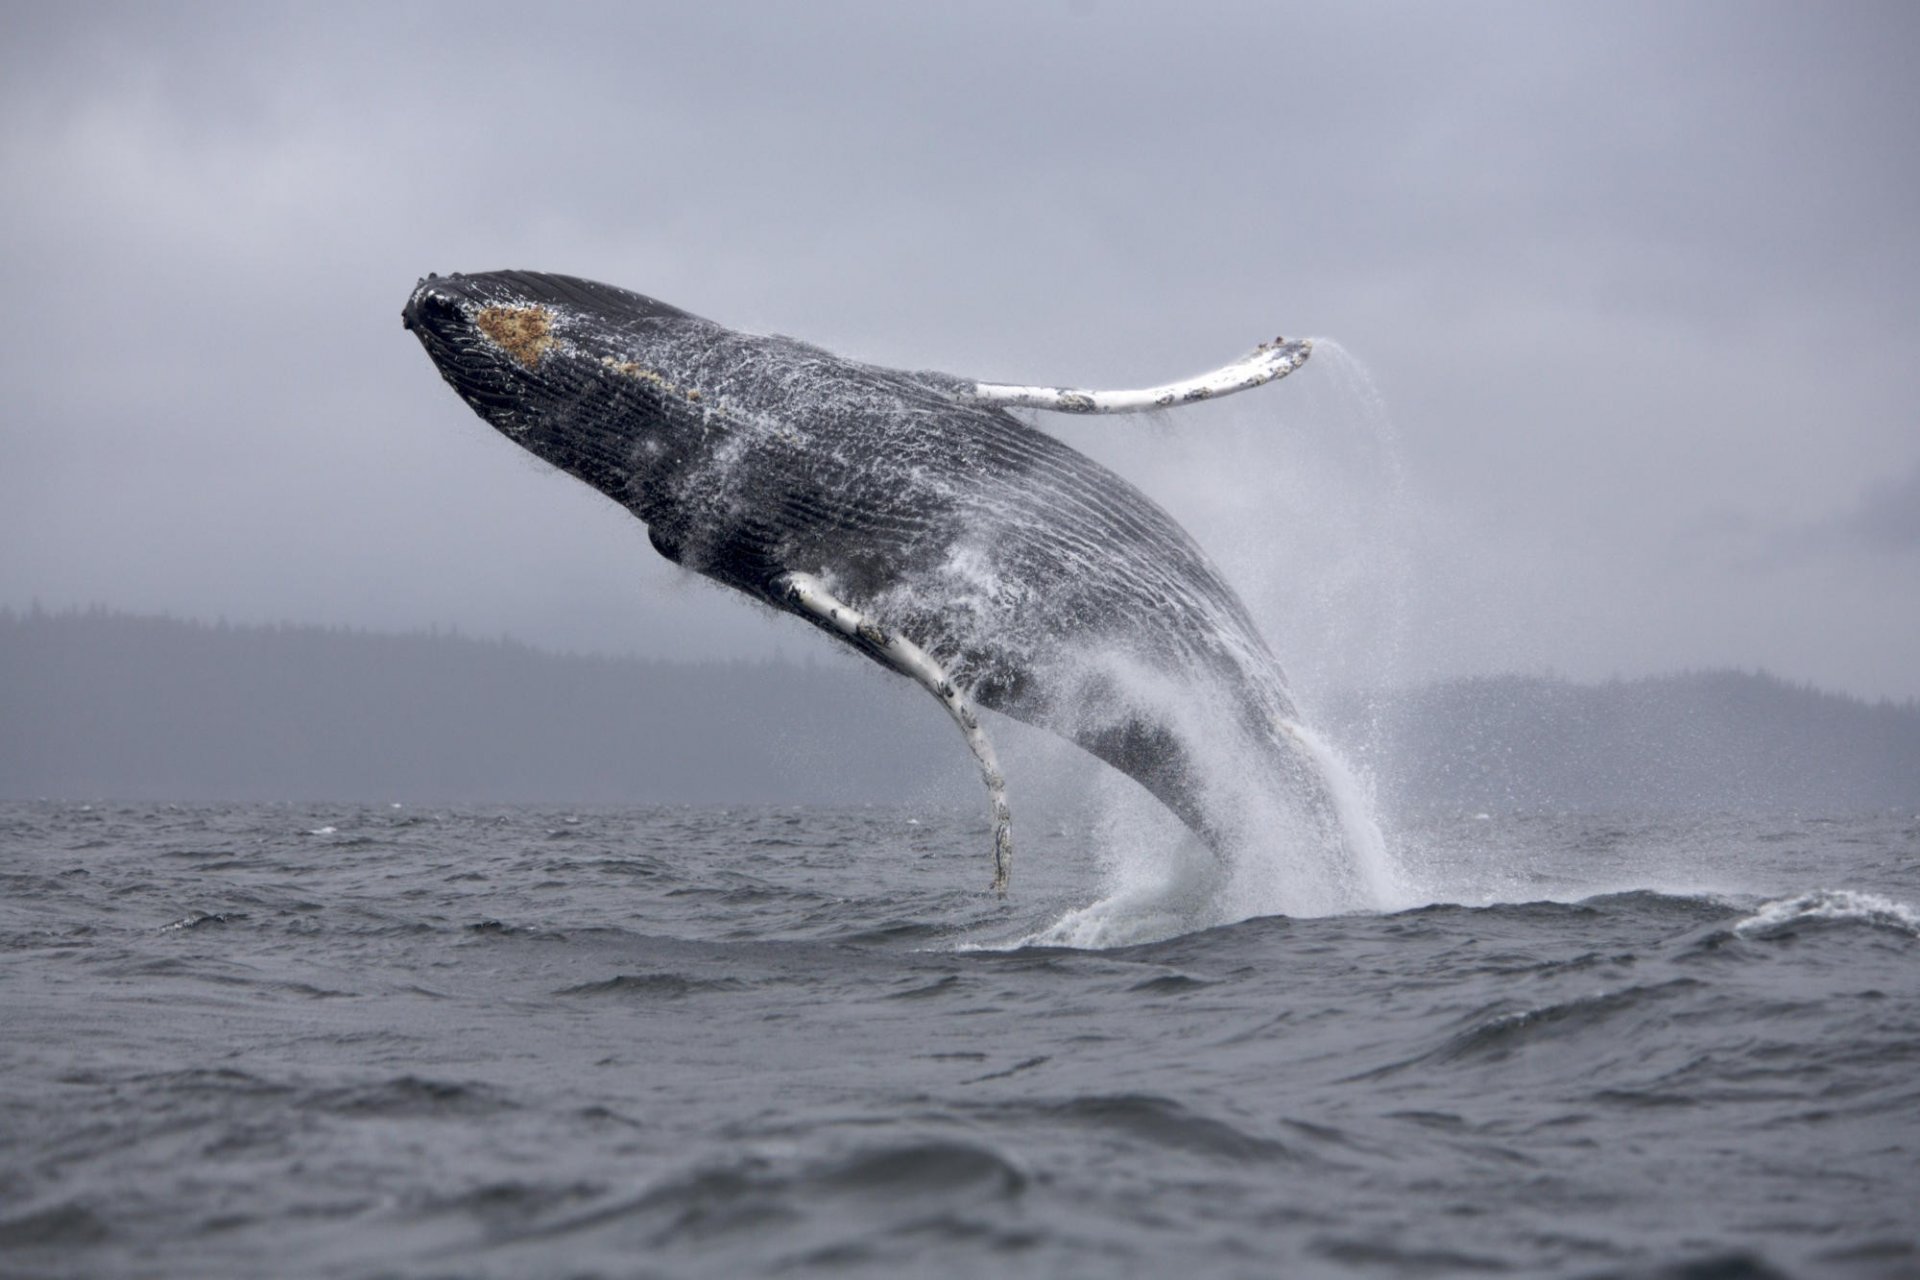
[909,516]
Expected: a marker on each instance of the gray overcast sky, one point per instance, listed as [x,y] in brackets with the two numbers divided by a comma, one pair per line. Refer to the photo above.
[1635,282]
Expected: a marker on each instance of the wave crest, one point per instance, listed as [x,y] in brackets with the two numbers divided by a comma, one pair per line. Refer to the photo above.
[1822,905]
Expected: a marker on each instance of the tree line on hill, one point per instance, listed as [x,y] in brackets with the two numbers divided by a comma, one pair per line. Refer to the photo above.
[96,704]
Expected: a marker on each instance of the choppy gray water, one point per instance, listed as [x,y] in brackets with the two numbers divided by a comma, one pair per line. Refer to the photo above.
[322,1041]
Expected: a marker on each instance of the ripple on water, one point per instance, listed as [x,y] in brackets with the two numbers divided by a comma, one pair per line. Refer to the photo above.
[1142,1117]
[414,1096]
[653,986]
[842,1203]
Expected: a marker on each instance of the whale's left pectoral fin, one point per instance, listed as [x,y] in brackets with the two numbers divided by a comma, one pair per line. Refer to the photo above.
[1266,363]
[806,594]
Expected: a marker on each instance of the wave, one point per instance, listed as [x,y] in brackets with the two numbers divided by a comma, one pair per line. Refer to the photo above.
[63,1226]
[1183,904]
[1183,901]
[1496,1034]
[1143,1117]
[904,1185]
[660,986]
[410,1096]
[1846,906]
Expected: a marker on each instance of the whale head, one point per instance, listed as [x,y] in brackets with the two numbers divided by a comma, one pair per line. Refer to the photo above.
[548,360]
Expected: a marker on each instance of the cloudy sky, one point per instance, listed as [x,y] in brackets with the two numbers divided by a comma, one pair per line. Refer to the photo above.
[1626,364]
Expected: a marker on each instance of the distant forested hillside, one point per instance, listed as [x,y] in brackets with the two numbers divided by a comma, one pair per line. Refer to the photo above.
[97,704]
[100,704]
[1709,740]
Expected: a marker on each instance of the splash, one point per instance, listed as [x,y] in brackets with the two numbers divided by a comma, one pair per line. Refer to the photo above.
[1303,502]
[1159,881]
[1373,869]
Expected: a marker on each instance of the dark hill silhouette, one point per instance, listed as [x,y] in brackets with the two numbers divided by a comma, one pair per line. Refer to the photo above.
[101,705]
[1700,741]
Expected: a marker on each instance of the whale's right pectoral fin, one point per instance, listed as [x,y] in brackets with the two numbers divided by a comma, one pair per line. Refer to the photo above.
[1268,362]
[807,595]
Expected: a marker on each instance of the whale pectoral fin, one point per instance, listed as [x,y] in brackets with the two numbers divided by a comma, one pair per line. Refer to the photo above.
[807,595]
[1266,363]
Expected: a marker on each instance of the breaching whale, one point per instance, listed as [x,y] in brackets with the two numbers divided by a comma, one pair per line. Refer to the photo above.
[907,514]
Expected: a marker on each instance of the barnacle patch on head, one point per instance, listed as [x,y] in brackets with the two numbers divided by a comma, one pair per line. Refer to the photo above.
[523,332]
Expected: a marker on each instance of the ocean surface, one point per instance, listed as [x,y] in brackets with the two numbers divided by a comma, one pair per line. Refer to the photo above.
[387,1041]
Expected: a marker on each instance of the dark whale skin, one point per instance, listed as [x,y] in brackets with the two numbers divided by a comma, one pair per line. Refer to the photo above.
[1046,585]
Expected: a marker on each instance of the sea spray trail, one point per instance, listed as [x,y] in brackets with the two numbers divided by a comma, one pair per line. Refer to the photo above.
[1378,881]
[1383,583]
[1381,591]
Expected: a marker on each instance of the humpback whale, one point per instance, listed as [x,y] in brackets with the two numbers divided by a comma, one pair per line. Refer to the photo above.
[911,517]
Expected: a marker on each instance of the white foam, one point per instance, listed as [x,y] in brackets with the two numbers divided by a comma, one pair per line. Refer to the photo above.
[1159,881]
[1831,904]
[1155,891]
